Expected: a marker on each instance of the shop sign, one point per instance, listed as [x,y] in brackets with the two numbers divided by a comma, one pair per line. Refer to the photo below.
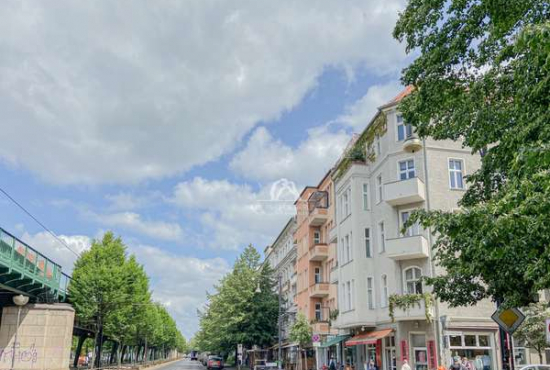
[509,319]
[432,360]
[404,350]
[548,331]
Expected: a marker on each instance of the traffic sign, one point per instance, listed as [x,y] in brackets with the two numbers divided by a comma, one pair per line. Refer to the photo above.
[315,338]
[509,319]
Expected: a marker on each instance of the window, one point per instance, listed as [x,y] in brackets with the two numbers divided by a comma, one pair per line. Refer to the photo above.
[365,197]
[476,347]
[406,169]
[382,236]
[345,199]
[348,297]
[384,291]
[348,248]
[378,146]
[456,175]
[370,293]
[368,244]
[316,237]
[420,351]
[411,230]
[379,189]
[318,313]
[317,275]
[413,285]
[403,131]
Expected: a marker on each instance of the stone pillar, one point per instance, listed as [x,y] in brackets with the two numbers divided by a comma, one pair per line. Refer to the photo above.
[44,337]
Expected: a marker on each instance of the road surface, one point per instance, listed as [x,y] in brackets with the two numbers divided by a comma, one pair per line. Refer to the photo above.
[183,365]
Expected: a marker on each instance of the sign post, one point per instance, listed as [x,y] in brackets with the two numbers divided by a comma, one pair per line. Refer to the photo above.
[508,320]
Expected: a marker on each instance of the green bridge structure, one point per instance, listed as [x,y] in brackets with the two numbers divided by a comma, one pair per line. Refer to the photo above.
[24,270]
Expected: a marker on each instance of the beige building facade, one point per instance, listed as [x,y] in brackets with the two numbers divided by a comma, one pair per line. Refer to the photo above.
[380,264]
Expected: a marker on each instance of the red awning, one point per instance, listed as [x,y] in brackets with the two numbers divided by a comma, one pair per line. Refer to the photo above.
[368,338]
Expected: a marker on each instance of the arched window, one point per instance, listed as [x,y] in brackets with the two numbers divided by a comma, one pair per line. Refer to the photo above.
[411,277]
[384,291]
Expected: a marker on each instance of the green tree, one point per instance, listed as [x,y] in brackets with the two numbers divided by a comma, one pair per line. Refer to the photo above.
[482,75]
[239,312]
[300,333]
[532,331]
[95,290]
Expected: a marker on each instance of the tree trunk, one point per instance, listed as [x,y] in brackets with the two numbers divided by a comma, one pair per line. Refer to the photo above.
[94,350]
[540,356]
[81,340]
[145,351]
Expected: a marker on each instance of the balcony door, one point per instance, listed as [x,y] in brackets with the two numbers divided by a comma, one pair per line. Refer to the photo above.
[317,275]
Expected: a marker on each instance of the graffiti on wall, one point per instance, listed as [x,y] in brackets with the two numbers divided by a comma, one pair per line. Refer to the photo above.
[22,354]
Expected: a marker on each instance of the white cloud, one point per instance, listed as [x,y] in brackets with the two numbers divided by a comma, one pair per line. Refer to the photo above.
[46,244]
[359,114]
[267,159]
[180,282]
[233,215]
[105,93]
[134,222]
[127,201]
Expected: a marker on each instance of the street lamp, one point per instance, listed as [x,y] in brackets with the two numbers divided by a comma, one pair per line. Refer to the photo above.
[19,300]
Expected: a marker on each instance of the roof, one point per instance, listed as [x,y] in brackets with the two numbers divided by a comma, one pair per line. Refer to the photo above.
[368,338]
[406,91]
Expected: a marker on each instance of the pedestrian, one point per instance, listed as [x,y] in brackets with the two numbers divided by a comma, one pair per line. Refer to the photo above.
[405,365]
[372,365]
[455,365]
[332,365]
[465,364]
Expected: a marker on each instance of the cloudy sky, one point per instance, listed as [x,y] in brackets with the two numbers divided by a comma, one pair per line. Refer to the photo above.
[168,122]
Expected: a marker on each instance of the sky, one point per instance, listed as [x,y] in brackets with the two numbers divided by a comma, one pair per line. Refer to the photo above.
[179,124]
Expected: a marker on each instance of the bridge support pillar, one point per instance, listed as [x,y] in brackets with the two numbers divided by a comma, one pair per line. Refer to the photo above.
[44,337]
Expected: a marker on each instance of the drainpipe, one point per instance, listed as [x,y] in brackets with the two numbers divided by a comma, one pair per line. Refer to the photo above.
[436,322]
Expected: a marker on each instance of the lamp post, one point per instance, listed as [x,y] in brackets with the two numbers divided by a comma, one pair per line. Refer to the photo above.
[279,323]
[19,300]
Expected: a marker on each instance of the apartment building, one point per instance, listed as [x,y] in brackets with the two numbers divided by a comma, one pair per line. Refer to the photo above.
[386,175]
[281,257]
[316,297]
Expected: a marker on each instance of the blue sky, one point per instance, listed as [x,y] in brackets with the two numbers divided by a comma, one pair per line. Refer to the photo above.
[169,122]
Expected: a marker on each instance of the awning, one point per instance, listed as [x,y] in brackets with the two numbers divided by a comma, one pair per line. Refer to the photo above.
[331,342]
[368,338]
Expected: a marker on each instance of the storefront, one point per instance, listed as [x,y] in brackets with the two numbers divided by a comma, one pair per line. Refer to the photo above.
[333,348]
[365,347]
[478,348]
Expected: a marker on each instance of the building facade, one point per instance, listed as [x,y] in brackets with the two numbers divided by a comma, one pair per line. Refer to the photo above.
[388,174]
[316,297]
[281,256]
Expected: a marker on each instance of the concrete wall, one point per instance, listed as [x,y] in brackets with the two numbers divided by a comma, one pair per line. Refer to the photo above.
[44,337]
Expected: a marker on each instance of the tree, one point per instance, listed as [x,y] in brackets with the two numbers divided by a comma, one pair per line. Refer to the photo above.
[532,331]
[301,332]
[482,76]
[237,312]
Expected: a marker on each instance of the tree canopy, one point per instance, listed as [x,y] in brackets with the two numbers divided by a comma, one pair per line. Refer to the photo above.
[482,76]
[237,312]
[110,290]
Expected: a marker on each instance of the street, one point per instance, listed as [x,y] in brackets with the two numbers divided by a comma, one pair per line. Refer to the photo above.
[184,364]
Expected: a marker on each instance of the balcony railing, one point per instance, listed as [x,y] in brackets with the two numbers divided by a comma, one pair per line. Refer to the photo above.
[318,208]
[319,252]
[405,191]
[407,247]
[319,290]
[17,256]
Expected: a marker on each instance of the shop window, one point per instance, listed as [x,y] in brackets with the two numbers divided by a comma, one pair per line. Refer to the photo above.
[476,348]
[420,352]
[390,359]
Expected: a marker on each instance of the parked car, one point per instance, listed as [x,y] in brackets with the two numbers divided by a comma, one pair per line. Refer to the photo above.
[264,365]
[214,362]
[536,367]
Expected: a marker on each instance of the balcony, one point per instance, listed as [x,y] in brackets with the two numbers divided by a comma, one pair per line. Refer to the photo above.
[320,327]
[319,290]
[318,216]
[319,252]
[407,248]
[413,313]
[317,204]
[412,144]
[405,191]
